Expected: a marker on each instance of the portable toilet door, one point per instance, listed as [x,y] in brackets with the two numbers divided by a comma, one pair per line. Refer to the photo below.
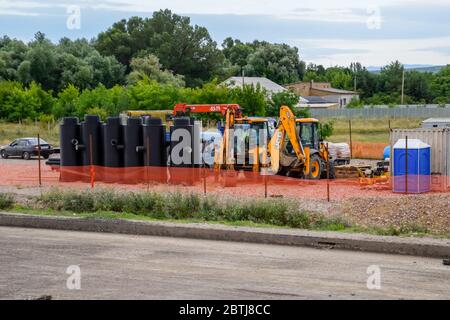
[412,166]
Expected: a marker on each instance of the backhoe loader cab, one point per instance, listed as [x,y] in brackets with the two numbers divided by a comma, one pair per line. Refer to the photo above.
[308,131]
[250,131]
[257,123]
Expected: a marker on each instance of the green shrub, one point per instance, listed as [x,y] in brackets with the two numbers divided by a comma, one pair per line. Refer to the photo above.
[326,129]
[53,199]
[300,220]
[190,206]
[6,201]
[330,224]
[79,202]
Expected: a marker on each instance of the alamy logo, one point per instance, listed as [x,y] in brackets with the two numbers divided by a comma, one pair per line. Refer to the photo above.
[74,19]
[374,279]
[74,280]
[374,20]
[244,147]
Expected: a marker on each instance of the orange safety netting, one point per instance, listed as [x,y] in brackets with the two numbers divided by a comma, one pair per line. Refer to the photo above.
[210,181]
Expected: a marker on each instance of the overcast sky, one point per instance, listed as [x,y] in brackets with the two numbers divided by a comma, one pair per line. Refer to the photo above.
[329,32]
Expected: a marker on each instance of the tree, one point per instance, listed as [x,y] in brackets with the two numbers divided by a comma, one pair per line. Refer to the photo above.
[12,54]
[284,98]
[440,86]
[252,99]
[19,103]
[83,66]
[340,78]
[124,39]
[181,48]
[6,90]
[365,80]
[278,62]
[154,96]
[390,78]
[237,52]
[67,102]
[315,72]
[417,86]
[148,68]
[43,62]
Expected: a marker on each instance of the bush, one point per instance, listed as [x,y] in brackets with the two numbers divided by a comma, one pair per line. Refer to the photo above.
[355,103]
[6,201]
[330,224]
[79,202]
[180,206]
[326,129]
[302,112]
[284,98]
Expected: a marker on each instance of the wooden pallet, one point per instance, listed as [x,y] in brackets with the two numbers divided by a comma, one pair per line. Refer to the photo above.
[350,171]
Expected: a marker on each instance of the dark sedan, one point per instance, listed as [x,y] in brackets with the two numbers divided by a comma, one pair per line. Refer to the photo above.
[26,148]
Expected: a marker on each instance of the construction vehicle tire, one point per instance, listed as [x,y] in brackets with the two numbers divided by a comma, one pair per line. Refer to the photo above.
[316,168]
[331,175]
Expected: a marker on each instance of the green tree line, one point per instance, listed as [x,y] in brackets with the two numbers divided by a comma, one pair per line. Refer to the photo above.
[19,102]
[153,63]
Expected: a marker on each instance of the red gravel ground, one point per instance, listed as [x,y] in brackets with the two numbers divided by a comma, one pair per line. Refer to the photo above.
[24,174]
[374,205]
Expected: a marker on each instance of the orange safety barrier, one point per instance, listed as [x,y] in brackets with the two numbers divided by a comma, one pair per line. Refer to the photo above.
[200,180]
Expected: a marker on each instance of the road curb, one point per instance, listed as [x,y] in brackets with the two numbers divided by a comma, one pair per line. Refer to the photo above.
[425,247]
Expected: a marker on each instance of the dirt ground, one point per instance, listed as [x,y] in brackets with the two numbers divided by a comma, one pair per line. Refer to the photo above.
[364,205]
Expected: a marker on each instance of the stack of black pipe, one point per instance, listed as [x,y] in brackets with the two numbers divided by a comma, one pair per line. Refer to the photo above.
[140,142]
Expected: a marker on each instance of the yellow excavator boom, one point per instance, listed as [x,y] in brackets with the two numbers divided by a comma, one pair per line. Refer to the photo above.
[287,121]
[287,128]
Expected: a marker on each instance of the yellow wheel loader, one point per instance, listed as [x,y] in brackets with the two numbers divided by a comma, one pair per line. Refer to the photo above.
[293,147]
[297,148]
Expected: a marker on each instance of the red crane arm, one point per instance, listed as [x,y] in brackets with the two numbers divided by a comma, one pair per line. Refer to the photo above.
[207,108]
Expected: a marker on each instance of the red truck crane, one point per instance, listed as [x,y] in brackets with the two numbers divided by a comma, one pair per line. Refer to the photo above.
[207,108]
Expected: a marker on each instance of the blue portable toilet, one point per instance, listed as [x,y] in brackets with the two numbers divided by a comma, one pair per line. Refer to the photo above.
[387,153]
[418,154]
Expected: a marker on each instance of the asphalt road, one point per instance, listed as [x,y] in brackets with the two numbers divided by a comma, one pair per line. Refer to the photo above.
[33,263]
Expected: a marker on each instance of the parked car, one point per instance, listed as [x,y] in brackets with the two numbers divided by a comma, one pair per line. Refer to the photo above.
[26,148]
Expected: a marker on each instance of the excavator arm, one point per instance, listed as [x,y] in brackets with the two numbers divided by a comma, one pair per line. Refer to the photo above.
[225,156]
[287,128]
[287,122]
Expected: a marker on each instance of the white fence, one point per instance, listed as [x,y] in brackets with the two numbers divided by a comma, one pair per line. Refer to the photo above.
[428,111]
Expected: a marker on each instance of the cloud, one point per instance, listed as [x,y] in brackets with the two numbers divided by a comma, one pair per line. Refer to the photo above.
[378,52]
[21,8]
[310,10]
[326,31]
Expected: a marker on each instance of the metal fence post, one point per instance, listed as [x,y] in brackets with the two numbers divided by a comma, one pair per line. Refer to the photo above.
[91,162]
[147,146]
[406,165]
[350,133]
[39,160]
[328,175]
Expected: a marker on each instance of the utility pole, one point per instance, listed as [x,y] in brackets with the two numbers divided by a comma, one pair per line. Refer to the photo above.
[403,86]
[354,72]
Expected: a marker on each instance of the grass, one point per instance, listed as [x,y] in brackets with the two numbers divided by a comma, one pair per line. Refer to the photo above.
[178,206]
[6,201]
[12,131]
[368,130]
[193,208]
[131,216]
